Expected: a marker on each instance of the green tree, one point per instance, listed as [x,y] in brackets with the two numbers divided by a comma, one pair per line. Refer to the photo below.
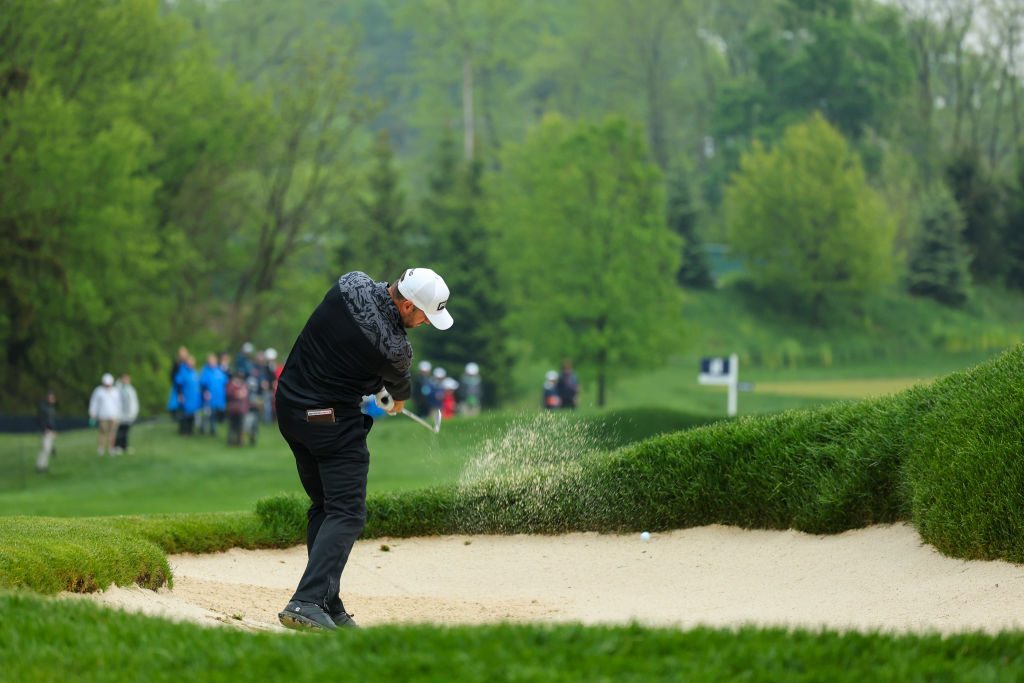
[88,273]
[978,195]
[378,236]
[286,198]
[694,271]
[457,248]
[938,267]
[808,225]
[586,261]
[1014,232]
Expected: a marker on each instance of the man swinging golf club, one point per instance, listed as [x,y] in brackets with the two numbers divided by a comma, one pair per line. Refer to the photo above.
[353,344]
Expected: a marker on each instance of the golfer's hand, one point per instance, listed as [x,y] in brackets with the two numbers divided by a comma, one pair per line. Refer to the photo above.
[397,407]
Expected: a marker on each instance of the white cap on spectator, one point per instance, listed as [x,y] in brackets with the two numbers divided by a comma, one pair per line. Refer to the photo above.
[271,353]
[427,292]
[425,366]
[551,375]
[440,373]
[107,379]
[472,368]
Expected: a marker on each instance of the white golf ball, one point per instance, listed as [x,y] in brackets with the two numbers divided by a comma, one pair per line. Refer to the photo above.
[645,536]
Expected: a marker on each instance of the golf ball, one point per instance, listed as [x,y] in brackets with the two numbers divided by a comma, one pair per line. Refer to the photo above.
[645,536]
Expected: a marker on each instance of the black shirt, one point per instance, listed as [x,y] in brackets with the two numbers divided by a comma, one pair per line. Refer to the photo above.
[352,344]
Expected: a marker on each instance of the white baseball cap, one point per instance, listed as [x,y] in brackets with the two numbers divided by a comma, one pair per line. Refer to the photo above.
[107,379]
[427,292]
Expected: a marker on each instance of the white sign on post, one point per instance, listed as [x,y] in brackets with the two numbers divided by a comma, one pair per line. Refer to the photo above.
[718,371]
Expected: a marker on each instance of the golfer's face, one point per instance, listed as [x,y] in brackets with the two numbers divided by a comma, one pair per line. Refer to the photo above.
[414,317]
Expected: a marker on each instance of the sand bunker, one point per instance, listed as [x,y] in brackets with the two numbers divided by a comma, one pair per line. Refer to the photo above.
[881,578]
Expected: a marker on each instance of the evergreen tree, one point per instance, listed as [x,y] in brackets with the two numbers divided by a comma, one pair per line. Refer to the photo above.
[694,271]
[978,197]
[458,251]
[939,259]
[1013,233]
[380,239]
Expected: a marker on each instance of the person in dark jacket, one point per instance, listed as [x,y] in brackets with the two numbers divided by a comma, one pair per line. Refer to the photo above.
[353,345]
[48,425]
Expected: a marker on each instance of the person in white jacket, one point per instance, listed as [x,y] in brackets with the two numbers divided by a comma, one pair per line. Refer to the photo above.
[129,412]
[105,410]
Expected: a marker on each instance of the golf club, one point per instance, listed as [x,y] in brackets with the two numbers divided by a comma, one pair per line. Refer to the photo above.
[436,427]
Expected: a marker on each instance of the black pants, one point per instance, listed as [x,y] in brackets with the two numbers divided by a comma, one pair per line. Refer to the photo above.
[121,440]
[333,462]
[235,429]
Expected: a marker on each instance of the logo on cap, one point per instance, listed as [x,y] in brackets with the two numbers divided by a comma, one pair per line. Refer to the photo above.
[441,305]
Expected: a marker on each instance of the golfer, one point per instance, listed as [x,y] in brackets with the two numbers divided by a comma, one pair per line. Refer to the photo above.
[353,344]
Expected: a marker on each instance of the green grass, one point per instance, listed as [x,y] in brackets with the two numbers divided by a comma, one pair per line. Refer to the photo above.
[169,474]
[83,642]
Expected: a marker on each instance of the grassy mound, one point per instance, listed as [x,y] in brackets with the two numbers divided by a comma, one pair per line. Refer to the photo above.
[84,642]
[964,467]
[53,555]
[945,456]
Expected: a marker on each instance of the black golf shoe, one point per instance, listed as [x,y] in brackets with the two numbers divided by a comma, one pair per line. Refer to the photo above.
[343,619]
[305,616]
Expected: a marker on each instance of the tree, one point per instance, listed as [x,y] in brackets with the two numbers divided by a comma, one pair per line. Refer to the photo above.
[285,197]
[694,271]
[378,237]
[978,195]
[938,267]
[88,272]
[1013,238]
[457,248]
[585,259]
[467,53]
[808,225]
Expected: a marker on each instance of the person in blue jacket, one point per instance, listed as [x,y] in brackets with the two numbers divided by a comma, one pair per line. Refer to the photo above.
[189,396]
[213,382]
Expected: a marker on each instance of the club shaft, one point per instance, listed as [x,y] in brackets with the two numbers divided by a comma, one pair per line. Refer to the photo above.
[408,413]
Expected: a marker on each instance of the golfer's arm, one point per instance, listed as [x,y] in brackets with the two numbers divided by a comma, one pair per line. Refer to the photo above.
[397,381]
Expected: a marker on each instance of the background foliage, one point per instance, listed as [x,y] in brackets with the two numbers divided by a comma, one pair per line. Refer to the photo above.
[199,173]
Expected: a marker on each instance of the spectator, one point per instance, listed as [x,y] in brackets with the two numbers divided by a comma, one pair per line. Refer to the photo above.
[129,412]
[243,361]
[48,425]
[174,399]
[105,410]
[422,389]
[270,372]
[190,396]
[237,393]
[470,390]
[225,364]
[568,386]
[436,397]
[449,385]
[550,399]
[256,383]
[212,382]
